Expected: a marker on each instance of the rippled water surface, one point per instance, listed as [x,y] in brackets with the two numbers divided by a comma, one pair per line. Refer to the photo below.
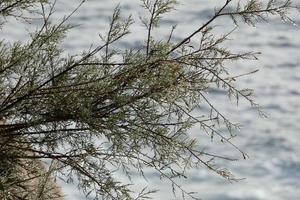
[273,170]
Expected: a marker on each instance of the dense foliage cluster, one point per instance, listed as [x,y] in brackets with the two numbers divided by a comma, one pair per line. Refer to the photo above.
[110,110]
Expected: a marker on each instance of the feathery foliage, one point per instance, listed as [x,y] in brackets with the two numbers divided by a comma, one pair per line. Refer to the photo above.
[110,110]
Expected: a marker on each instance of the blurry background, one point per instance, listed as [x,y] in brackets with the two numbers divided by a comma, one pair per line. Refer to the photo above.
[273,170]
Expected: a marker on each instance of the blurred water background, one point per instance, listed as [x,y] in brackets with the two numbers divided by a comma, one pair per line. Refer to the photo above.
[272,171]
